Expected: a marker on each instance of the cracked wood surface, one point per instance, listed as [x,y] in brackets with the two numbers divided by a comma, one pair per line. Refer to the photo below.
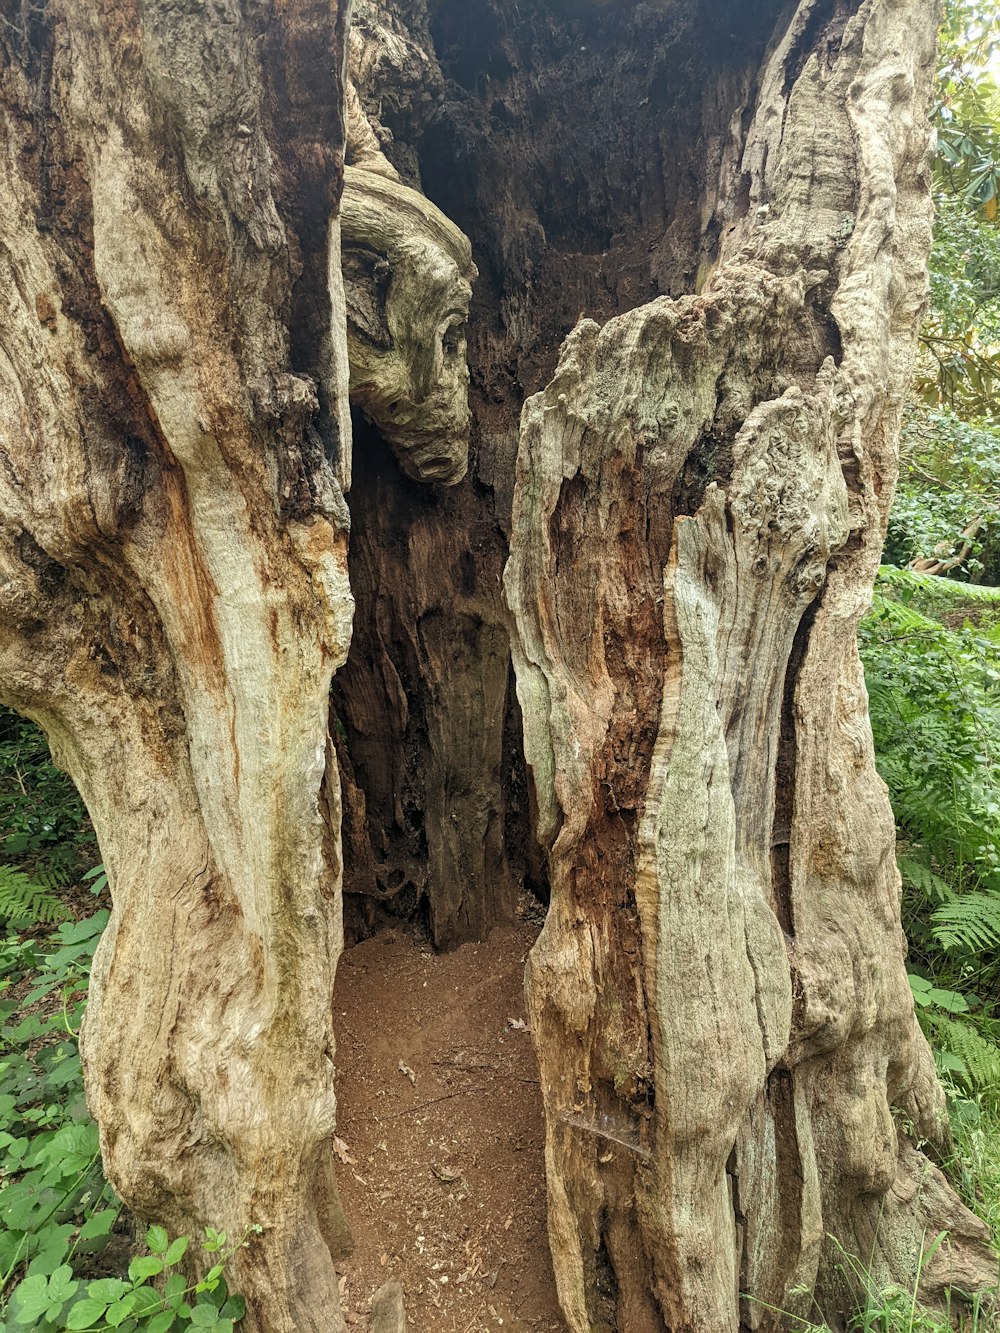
[720,979]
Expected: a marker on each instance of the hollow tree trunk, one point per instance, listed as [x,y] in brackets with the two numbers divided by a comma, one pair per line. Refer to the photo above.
[740,195]
[173,586]
[736,196]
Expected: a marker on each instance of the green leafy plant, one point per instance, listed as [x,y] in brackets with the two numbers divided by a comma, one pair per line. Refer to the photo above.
[881,1307]
[57,1213]
[25,901]
[155,1296]
[46,829]
[934,689]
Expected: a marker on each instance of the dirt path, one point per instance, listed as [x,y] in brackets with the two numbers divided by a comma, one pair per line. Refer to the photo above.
[441,1122]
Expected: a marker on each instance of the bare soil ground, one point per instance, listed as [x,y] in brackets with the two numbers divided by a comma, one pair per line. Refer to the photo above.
[440,1134]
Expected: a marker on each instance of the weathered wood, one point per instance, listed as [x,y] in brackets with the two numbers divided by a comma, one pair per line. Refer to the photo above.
[388,1310]
[718,996]
[422,701]
[173,583]
[407,273]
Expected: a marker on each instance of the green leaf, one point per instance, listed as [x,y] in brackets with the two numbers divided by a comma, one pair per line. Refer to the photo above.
[99,1224]
[161,1322]
[148,1301]
[32,1299]
[49,1259]
[121,1309]
[176,1252]
[158,1239]
[176,1286]
[144,1267]
[86,1313]
[204,1316]
[62,1284]
[234,1308]
[107,1289]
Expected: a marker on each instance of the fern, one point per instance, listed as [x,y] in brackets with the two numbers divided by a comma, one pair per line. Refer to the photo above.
[935,589]
[970,923]
[25,901]
[963,1053]
[918,875]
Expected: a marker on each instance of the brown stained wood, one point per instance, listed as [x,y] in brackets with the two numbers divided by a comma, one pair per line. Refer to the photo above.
[735,199]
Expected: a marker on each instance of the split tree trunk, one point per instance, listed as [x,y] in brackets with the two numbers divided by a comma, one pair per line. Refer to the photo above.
[173,583]
[738,194]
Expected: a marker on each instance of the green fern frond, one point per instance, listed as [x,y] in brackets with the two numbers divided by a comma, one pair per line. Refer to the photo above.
[25,901]
[936,588]
[918,875]
[962,1051]
[970,922]
[60,868]
[902,617]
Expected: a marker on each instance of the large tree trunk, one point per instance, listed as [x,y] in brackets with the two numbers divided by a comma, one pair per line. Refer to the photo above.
[718,998]
[173,583]
[735,196]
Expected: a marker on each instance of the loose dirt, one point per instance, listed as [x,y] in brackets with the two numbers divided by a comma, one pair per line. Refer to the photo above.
[440,1134]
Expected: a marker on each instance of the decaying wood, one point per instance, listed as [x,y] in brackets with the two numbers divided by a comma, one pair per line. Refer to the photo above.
[422,703]
[947,558]
[407,273]
[718,996]
[388,1310]
[173,583]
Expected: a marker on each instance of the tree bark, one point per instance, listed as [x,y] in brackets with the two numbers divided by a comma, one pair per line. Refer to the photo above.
[736,198]
[173,583]
[718,997]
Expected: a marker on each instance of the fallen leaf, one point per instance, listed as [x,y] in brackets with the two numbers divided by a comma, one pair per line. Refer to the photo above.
[342,1152]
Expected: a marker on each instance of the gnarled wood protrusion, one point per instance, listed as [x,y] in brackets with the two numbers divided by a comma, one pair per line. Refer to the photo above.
[407,275]
[423,699]
[718,997]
